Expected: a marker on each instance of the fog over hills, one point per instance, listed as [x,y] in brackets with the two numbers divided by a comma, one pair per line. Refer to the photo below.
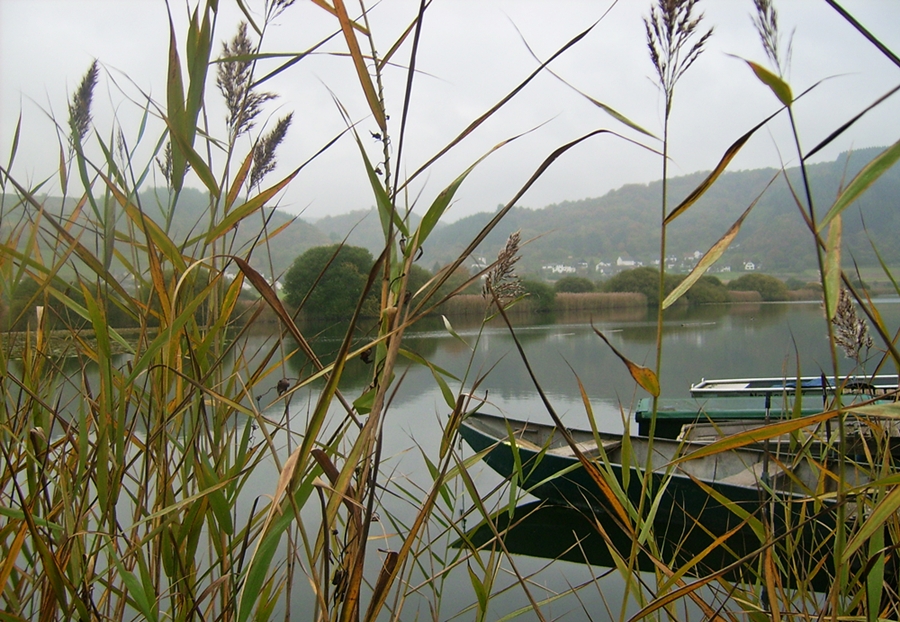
[625,222]
[583,234]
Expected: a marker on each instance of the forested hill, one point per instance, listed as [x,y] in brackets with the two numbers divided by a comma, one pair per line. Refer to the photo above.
[623,223]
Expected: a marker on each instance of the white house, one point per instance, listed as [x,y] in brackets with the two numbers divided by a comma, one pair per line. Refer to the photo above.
[560,269]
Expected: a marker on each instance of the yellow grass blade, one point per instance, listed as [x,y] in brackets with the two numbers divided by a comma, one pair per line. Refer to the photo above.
[707,183]
[359,62]
[781,88]
[713,254]
[756,435]
[238,182]
[644,376]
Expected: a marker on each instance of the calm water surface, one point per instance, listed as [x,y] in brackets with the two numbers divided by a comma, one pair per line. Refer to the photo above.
[711,342]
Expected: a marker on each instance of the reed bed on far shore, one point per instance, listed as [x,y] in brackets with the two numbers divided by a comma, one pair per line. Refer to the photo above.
[474,304]
[597,301]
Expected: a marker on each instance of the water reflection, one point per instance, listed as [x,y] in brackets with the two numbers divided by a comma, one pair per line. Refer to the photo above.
[563,350]
[595,538]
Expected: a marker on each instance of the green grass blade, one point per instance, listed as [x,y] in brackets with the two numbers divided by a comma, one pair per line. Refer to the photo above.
[885,511]
[863,180]
[175,107]
[14,148]
[136,594]
[781,88]
[832,276]
[239,213]
[710,179]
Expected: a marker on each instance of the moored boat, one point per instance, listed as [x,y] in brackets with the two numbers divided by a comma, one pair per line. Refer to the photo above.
[739,403]
[715,488]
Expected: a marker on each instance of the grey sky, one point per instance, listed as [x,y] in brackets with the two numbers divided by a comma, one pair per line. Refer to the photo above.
[471,56]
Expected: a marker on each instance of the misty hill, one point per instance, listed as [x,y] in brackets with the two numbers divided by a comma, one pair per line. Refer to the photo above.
[360,228]
[188,220]
[623,223]
[191,216]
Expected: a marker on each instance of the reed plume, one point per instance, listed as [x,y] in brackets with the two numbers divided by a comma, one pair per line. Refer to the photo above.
[502,280]
[674,41]
[234,79]
[276,8]
[264,160]
[166,164]
[851,332]
[80,108]
[670,29]
[766,22]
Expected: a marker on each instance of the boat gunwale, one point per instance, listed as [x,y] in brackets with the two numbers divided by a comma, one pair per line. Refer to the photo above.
[566,462]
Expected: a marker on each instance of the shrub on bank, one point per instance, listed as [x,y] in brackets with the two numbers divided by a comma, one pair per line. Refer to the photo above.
[770,289]
[643,280]
[574,285]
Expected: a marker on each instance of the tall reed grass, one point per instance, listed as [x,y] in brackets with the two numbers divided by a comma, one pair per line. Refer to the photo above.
[125,486]
[598,301]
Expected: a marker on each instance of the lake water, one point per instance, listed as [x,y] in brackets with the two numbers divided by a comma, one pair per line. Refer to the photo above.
[707,342]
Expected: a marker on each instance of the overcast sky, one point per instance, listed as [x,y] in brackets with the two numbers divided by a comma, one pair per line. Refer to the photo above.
[472,54]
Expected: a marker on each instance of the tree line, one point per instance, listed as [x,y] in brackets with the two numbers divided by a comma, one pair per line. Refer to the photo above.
[328,282]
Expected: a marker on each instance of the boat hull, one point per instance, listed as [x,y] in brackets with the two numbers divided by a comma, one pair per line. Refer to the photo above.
[681,498]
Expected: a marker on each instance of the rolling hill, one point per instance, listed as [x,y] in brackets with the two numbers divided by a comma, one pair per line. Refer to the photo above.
[622,223]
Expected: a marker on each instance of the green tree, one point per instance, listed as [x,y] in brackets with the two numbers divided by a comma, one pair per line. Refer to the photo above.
[708,289]
[418,276]
[574,285]
[456,280]
[20,310]
[329,280]
[770,288]
[18,304]
[644,280]
[541,294]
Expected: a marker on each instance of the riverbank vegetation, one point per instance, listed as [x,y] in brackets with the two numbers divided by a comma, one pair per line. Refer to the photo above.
[126,485]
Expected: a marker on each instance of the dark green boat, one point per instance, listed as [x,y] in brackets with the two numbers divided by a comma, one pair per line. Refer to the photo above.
[711,489]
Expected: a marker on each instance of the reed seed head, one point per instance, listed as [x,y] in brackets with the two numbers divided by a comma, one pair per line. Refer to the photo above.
[502,279]
[264,160]
[234,80]
[166,164]
[674,41]
[276,8]
[80,108]
[766,22]
[851,332]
